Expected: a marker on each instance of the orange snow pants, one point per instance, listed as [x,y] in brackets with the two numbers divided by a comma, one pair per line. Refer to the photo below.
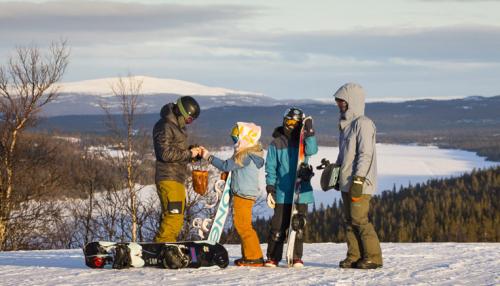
[242,217]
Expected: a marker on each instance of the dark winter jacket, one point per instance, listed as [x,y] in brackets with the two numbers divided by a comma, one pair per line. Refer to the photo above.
[171,147]
[281,166]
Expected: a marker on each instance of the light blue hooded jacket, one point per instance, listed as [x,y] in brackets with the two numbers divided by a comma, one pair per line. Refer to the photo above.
[357,152]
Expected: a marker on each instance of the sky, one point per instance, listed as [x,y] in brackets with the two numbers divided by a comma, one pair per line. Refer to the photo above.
[283,49]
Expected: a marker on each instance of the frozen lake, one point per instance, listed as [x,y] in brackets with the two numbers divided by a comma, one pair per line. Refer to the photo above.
[398,165]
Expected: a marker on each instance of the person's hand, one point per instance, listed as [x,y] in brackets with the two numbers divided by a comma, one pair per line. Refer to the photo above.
[270,201]
[271,194]
[357,188]
[308,127]
[195,152]
[204,153]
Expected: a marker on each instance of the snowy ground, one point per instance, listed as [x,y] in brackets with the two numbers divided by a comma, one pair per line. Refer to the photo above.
[404,264]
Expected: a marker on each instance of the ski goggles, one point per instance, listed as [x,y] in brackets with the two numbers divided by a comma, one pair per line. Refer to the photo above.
[188,120]
[291,122]
[235,134]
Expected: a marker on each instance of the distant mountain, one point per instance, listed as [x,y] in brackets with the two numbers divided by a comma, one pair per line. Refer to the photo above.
[84,97]
[439,116]
[149,86]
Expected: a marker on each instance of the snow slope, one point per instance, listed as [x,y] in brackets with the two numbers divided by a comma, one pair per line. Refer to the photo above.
[404,264]
[150,85]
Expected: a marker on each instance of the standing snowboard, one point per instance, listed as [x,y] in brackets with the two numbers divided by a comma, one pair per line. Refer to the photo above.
[222,211]
[188,254]
[296,222]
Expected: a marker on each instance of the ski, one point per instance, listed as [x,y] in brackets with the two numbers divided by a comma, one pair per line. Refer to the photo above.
[296,195]
[175,255]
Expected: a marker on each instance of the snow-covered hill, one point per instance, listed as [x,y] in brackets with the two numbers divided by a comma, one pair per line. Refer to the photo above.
[404,264]
[85,97]
[150,86]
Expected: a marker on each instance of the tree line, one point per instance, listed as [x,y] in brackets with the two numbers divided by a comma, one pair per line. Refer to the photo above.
[461,209]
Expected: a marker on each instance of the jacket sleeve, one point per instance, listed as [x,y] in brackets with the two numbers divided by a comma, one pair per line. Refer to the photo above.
[365,141]
[229,164]
[311,146]
[271,165]
[167,151]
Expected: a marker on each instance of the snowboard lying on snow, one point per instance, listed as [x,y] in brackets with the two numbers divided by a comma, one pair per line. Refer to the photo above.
[188,254]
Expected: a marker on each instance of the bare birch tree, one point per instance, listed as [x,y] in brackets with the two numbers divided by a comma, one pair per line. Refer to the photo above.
[27,83]
[127,91]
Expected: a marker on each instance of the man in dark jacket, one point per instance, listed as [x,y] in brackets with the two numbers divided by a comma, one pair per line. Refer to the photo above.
[172,157]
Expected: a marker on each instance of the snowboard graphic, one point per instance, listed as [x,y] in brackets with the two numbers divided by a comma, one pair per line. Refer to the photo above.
[222,212]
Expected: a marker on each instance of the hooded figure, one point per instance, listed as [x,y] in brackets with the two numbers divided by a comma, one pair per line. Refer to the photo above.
[244,166]
[357,156]
[358,177]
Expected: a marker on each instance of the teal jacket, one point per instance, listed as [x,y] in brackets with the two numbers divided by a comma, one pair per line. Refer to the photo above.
[244,179]
[281,166]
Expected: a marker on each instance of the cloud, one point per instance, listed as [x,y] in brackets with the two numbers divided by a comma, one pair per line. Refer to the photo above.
[455,43]
[230,45]
[88,21]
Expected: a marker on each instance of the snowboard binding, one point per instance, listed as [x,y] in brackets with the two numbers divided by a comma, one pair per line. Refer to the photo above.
[122,257]
[96,256]
[298,224]
[173,257]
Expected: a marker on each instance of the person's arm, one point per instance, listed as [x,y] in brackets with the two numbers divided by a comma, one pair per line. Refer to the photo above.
[271,165]
[311,146]
[339,160]
[227,165]
[365,140]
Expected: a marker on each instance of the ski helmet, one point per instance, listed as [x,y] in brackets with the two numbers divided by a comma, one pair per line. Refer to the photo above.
[293,117]
[188,108]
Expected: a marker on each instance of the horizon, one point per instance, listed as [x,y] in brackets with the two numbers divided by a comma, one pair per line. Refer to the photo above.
[415,49]
[249,92]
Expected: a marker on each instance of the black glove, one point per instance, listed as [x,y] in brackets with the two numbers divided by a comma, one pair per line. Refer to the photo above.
[308,127]
[271,196]
[357,188]
[305,172]
[270,189]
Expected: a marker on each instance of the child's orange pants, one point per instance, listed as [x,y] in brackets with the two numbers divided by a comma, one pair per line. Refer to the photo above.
[242,217]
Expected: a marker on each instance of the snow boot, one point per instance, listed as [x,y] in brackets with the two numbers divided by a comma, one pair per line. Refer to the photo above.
[367,264]
[271,263]
[298,263]
[348,263]
[249,262]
